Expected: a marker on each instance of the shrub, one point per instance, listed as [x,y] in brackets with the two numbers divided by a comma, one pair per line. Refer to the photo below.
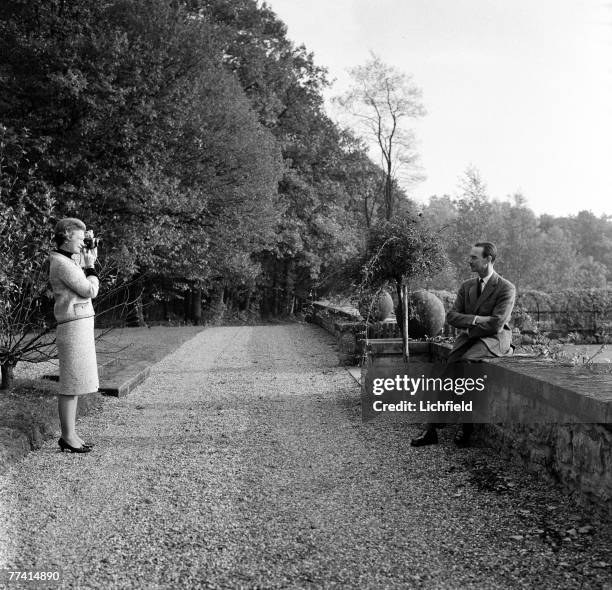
[446,297]
[426,315]
[577,311]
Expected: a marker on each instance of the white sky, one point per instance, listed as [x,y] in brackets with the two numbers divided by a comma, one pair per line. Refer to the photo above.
[521,89]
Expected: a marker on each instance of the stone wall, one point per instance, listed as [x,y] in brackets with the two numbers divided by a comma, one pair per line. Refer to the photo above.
[572,446]
[350,330]
[579,456]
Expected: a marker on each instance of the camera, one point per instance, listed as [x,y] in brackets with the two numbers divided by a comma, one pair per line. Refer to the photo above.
[90,241]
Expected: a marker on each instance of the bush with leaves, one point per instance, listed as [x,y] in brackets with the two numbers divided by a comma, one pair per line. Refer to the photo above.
[569,310]
[582,309]
[26,208]
[446,297]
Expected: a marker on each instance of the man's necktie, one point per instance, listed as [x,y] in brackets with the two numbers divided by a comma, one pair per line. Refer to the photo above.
[480,285]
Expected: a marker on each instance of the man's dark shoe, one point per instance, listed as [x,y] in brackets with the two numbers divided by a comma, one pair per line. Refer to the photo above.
[462,438]
[427,437]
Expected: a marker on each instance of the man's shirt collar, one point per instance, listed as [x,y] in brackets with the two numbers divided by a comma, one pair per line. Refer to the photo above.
[485,280]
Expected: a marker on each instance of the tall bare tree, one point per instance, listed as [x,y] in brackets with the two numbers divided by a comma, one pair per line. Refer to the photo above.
[380,102]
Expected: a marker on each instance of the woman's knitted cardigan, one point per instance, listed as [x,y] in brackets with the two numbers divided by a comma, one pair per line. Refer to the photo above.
[73,290]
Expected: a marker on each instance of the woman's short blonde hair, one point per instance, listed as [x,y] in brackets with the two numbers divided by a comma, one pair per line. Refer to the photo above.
[65,227]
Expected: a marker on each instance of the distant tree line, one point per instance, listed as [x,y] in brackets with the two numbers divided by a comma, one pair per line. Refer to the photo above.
[544,253]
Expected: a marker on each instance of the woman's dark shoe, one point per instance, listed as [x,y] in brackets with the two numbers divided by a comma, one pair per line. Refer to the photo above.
[89,444]
[66,447]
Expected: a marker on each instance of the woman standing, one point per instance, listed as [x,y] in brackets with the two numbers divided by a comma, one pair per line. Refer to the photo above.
[74,286]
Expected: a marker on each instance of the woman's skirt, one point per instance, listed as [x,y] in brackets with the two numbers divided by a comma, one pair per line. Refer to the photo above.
[76,349]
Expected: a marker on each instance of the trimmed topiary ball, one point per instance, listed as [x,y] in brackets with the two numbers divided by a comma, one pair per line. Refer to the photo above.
[375,306]
[426,315]
[383,306]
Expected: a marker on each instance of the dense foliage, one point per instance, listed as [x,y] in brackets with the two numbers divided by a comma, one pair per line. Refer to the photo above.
[191,136]
[579,311]
[24,216]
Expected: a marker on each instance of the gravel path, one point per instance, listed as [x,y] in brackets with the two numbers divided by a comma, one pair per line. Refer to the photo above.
[243,463]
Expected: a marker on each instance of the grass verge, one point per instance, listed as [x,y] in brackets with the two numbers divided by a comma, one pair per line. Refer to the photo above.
[28,411]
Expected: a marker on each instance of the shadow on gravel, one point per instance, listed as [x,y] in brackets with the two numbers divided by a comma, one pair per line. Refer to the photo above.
[550,520]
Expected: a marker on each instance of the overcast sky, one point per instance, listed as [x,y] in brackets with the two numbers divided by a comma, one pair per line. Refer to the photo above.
[521,89]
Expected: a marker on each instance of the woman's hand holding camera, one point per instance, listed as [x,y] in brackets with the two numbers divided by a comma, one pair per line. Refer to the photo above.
[89,257]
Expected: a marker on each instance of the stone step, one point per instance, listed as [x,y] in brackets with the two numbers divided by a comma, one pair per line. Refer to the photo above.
[124,378]
[118,377]
[105,367]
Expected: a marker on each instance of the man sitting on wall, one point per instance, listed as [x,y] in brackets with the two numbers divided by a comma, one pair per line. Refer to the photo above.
[482,310]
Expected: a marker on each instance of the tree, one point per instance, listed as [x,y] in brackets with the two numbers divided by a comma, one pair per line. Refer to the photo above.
[380,102]
[154,143]
[474,220]
[472,187]
[361,178]
[325,183]
[26,207]
[593,237]
[590,274]
[402,251]
[515,232]
[440,213]
[554,265]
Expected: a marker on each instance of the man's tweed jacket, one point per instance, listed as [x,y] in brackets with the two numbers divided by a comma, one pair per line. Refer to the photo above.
[496,301]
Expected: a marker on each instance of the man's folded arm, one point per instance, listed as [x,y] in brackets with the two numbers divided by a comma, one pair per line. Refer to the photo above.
[499,316]
[457,317]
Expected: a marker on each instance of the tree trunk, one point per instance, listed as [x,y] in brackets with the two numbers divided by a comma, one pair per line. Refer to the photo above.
[7,375]
[139,310]
[405,303]
[265,303]
[229,300]
[402,314]
[275,294]
[196,306]
[247,303]
[292,306]
[388,196]
[187,307]
[289,287]
[218,305]
[399,310]
[135,316]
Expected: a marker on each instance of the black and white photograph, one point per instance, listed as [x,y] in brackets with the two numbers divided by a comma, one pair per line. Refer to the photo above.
[306,294]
